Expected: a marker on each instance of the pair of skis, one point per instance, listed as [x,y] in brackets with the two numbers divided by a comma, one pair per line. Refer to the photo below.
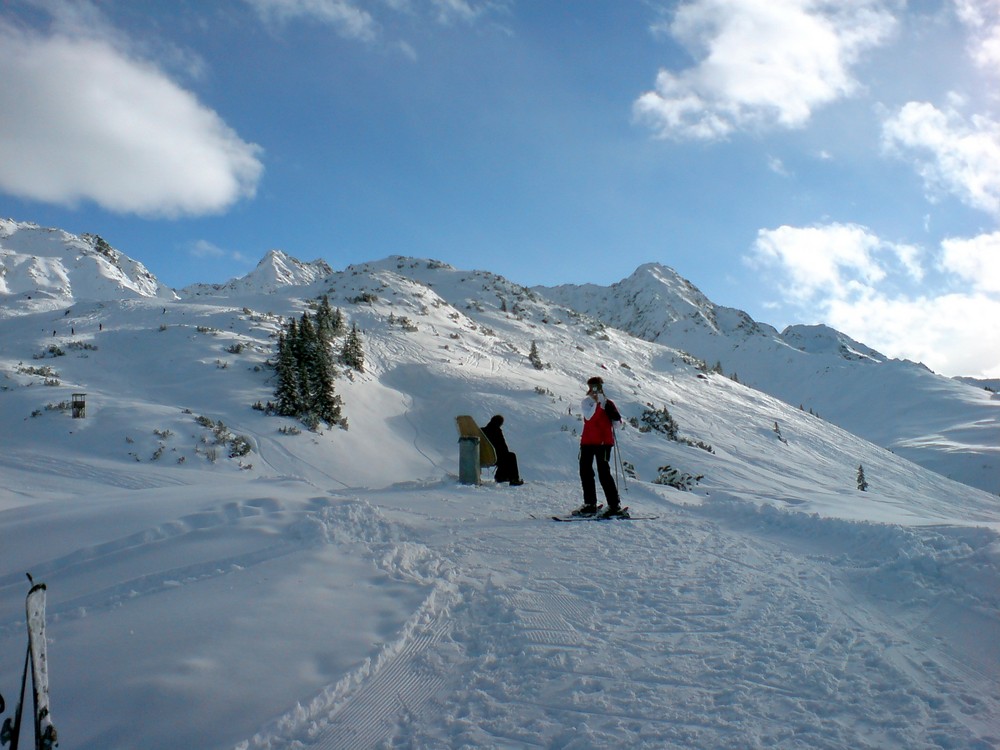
[37,659]
[622,515]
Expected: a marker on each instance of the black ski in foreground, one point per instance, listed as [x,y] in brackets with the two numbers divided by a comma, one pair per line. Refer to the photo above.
[622,515]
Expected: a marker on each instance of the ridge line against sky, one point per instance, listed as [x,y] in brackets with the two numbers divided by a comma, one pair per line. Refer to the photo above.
[804,160]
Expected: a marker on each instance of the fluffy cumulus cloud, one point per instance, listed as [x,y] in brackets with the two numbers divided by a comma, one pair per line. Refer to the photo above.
[858,283]
[760,63]
[834,261]
[975,261]
[953,154]
[983,19]
[83,120]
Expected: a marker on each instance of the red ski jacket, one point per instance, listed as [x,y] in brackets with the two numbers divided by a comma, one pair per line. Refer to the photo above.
[597,418]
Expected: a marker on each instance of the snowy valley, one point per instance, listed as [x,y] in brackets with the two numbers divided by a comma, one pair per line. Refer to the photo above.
[339,588]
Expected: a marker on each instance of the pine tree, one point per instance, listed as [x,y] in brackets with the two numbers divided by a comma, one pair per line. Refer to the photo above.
[305,374]
[352,354]
[304,345]
[534,357]
[286,391]
[339,327]
[862,482]
[324,319]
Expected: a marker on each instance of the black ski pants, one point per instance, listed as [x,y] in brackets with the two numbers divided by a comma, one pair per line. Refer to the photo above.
[602,454]
[507,468]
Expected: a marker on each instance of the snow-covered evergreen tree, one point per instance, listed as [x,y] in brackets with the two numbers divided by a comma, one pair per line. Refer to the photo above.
[862,482]
[352,353]
[534,357]
[286,392]
[305,375]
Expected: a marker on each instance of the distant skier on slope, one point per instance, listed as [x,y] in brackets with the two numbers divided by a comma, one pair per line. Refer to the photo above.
[596,442]
[506,459]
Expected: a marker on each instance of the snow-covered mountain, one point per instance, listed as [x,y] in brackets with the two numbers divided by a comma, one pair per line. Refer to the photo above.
[947,425]
[340,589]
[48,269]
[275,271]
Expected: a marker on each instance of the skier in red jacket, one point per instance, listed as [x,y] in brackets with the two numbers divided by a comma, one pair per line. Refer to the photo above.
[596,442]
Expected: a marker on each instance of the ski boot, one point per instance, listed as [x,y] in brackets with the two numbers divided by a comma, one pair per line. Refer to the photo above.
[586,510]
[615,511]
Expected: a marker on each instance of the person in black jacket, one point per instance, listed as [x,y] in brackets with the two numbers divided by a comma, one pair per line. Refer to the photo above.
[506,460]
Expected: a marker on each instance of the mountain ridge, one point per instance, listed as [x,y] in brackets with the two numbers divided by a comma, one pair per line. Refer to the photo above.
[814,367]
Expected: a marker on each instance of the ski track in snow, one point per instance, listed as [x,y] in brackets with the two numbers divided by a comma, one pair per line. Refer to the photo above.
[84,471]
[705,636]
[83,564]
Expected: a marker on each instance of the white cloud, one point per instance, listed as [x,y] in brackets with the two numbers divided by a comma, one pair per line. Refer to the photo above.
[847,277]
[836,260]
[449,11]
[206,249]
[976,261]
[352,20]
[346,16]
[954,334]
[777,166]
[84,120]
[952,154]
[762,63]
[983,19]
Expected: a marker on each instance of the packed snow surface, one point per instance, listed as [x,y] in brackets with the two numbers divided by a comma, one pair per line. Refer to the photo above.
[341,589]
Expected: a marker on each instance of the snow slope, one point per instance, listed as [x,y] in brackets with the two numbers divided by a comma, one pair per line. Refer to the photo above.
[944,424]
[340,589]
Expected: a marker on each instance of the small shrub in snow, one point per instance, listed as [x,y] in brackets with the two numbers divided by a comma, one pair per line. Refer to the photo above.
[51,351]
[658,420]
[239,445]
[681,480]
[44,371]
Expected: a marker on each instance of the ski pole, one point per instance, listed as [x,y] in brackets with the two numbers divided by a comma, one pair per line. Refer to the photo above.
[618,458]
[12,730]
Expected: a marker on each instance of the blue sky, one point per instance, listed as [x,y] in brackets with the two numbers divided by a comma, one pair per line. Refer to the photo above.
[807,161]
